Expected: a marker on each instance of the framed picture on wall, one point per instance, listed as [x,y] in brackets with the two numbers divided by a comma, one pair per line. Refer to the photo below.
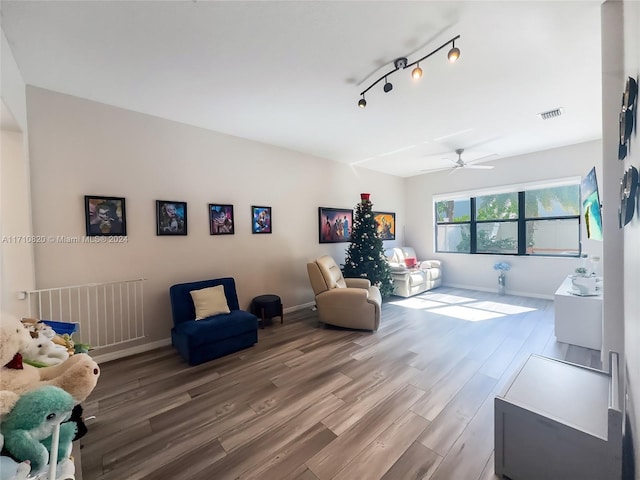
[171,217]
[221,221]
[386,224]
[105,216]
[334,224]
[261,219]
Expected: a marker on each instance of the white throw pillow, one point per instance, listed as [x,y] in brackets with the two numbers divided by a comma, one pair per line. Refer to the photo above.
[209,301]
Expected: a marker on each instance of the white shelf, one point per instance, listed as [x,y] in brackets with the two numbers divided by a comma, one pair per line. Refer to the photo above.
[578,319]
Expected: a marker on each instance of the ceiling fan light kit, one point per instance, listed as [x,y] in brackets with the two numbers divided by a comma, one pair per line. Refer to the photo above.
[402,63]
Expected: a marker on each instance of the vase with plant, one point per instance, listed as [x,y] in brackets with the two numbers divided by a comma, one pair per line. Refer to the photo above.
[502,267]
[581,272]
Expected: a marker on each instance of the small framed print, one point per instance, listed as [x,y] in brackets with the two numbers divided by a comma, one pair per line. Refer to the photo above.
[386,222]
[171,217]
[261,219]
[221,221]
[105,216]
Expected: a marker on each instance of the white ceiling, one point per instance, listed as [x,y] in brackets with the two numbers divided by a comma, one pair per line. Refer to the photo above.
[289,73]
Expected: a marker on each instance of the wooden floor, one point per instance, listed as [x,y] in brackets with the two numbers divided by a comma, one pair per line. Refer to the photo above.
[411,401]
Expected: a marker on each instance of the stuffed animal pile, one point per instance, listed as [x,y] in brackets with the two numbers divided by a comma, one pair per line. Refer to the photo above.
[33,399]
[41,350]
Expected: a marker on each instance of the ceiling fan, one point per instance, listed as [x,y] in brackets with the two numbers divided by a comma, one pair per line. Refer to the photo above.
[458,164]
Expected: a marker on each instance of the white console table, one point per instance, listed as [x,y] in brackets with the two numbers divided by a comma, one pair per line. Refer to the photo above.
[578,319]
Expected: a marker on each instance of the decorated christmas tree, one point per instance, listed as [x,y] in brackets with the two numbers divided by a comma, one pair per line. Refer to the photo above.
[365,254]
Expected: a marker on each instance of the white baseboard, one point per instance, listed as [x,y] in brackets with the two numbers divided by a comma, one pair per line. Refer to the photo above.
[296,308]
[495,290]
[127,352]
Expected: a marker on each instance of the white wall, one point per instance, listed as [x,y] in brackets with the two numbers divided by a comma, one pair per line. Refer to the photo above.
[632,233]
[533,276]
[79,147]
[16,259]
[15,225]
[612,79]
[12,84]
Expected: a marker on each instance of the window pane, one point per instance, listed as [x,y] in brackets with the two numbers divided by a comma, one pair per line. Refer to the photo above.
[497,237]
[552,202]
[497,207]
[453,238]
[553,237]
[453,211]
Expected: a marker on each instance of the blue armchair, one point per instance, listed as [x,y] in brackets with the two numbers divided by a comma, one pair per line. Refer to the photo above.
[199,341]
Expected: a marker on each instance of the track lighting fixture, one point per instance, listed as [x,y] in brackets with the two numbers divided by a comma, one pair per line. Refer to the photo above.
[401,63]
[416,72]
[454,53]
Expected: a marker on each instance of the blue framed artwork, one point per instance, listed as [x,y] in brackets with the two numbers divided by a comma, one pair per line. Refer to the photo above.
[261,220]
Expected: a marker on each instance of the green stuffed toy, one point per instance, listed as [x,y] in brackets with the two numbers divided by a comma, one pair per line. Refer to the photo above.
[28,427]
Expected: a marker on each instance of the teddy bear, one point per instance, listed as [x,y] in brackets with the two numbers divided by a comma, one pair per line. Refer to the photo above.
[29,426]
[78,375]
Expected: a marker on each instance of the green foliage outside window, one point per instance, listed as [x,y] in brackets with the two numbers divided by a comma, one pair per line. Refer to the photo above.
[497,207]
[486,243]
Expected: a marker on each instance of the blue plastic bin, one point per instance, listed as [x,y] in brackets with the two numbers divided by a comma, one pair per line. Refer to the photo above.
[62,327]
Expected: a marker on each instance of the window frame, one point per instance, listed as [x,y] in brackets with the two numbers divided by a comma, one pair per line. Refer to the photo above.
[521,221]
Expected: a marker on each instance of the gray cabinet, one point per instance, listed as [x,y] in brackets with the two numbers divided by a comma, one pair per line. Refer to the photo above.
[557,420]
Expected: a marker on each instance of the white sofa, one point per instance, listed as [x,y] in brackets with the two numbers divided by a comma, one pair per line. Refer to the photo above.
[410,275]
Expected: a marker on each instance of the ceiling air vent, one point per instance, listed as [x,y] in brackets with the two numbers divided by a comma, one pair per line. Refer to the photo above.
[556,112]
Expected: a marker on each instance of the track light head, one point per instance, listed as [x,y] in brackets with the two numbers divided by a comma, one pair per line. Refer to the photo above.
[362,102]
[387,86]
[416,73]
[454,54]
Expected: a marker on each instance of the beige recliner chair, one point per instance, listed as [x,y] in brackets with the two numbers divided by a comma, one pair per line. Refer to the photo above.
[344,302]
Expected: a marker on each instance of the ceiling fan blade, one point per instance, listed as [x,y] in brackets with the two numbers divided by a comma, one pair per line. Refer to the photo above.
[454,170]
[484,157]
[479,167]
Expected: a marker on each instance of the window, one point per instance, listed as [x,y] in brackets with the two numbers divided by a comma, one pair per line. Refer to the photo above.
[536,221]
[453,222]
[552,223]
[497,223]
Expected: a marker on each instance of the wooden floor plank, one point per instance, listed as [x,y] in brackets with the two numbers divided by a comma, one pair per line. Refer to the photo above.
[368,398]
[286,461]
[259,449]
[437,398]
[445,429]
[468,455]
[331,459]
[416,463]
[374,461]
